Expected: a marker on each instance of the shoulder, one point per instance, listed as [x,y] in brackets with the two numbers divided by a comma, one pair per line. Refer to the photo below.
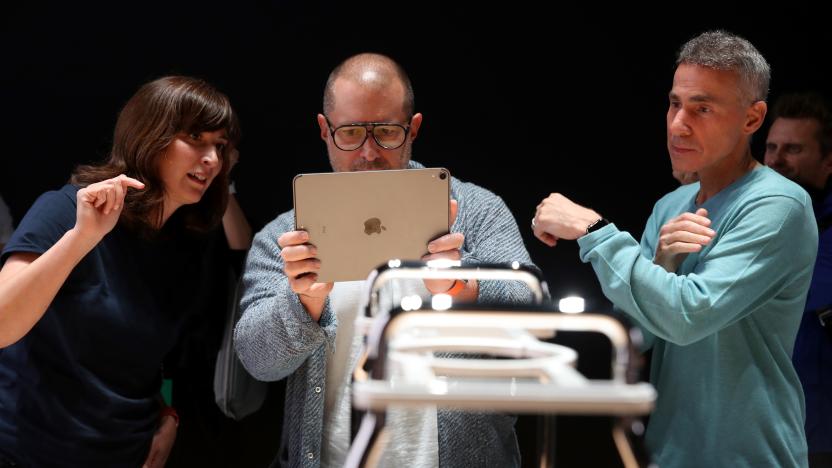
[472,197]
[765,183]
[57,199]
[50,216]
[470,191]
[267,237]
[766,203]
[768,199]
[59,205]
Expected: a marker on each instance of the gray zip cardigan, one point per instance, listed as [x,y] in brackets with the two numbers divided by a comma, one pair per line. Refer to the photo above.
[276,338]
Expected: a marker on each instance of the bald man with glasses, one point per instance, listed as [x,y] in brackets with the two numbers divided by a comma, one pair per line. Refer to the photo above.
[297,328]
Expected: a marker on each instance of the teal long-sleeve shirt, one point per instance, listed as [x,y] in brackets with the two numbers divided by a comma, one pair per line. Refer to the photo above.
[723,326]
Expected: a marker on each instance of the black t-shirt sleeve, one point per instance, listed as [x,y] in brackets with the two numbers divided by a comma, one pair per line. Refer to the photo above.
[49,218]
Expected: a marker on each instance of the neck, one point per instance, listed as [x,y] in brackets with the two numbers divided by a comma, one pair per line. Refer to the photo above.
[168,208]
[716,178]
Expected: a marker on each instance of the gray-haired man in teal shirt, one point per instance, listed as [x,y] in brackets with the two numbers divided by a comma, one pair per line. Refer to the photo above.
[719,280]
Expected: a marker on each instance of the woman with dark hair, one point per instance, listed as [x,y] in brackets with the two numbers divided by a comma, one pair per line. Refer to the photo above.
[100,278]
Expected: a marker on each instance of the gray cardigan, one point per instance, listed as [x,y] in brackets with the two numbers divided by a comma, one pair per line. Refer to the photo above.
[276,338]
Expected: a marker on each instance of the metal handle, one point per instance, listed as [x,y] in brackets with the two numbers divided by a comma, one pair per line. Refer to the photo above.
[448,269]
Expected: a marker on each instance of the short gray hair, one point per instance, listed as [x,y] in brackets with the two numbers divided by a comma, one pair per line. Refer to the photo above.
[722,50]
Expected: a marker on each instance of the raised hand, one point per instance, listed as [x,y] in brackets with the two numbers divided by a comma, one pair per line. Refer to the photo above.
[301,267]
[558,217]
[684,234]
[446,247]
[100,205]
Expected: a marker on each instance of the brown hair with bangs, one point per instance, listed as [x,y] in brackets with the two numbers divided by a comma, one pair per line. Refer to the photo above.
[146,125]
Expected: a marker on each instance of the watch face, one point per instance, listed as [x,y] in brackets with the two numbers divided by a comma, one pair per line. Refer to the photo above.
[601,222]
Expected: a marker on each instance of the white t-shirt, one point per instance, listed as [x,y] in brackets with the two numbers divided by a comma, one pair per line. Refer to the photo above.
[413,434]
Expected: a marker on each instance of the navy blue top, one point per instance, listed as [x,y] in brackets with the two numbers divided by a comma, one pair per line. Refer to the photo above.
[813,346]
[80,389]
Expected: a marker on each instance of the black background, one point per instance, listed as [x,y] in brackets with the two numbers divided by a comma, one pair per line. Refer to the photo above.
[522,98]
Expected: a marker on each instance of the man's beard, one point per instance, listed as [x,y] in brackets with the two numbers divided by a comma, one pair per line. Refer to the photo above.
[362,164]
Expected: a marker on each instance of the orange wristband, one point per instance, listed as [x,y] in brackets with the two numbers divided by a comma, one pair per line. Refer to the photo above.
[456,288]
[169,411]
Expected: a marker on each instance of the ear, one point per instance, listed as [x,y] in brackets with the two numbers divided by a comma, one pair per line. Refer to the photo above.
[754,117]
[324,127]
[415,123]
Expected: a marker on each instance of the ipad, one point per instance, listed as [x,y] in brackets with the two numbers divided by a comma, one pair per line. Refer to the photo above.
[360,220]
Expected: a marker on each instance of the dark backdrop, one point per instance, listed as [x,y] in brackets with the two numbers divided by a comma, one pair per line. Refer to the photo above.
[523,98]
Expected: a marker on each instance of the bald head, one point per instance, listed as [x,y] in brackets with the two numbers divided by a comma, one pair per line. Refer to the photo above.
[372,72]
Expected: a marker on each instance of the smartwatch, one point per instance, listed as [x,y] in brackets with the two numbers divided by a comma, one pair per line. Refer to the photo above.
[597,224]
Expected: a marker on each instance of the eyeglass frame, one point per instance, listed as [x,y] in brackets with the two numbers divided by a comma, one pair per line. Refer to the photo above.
[367,134]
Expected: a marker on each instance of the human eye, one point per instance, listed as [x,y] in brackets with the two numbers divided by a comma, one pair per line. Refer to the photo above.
[794,149]
[387,130]
[351,133]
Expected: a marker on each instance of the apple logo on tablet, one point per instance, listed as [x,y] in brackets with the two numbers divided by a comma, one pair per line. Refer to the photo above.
[373,226]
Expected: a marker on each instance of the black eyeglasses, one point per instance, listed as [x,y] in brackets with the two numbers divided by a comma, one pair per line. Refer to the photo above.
[350,137]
